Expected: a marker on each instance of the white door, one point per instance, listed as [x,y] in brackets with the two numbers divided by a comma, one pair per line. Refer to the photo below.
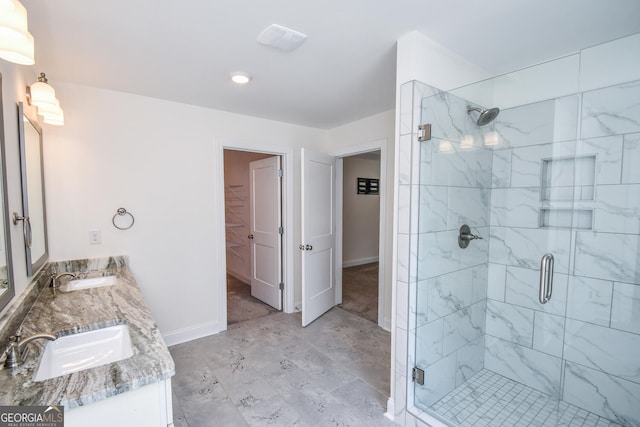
[264,237]
[318,235]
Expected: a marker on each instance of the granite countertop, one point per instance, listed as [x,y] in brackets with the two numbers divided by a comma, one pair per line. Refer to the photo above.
[63,313]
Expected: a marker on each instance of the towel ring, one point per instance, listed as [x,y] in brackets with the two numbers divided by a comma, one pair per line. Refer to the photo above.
[123,212]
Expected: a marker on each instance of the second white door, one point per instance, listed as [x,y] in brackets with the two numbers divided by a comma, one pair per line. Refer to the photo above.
[264,230]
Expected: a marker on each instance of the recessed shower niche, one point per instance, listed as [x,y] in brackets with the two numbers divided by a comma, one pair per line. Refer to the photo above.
[567,192]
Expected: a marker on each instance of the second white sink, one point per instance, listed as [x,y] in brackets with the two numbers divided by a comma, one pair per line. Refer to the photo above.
[84,350]
[94,282]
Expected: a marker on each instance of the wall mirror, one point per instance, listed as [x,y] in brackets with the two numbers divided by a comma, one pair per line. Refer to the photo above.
[34,219]
[6,272]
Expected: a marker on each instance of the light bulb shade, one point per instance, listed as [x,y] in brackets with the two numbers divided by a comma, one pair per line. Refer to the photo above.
[16,44]
[43,95]
[57,120]
[50,109]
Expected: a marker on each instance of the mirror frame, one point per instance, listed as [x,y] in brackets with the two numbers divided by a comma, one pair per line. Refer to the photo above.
[32,265]
[9,293]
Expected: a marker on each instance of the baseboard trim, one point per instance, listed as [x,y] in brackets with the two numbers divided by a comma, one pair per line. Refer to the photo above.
[192,333]
[361,261]
[390,409]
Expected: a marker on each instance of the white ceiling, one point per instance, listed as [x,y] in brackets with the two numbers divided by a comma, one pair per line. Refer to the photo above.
[185,50]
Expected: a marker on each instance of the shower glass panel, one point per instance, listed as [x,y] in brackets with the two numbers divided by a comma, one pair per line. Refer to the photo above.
[555,173]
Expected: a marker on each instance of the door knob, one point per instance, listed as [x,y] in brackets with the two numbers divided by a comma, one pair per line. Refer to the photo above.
[301,247]
[250,236]
[308,248]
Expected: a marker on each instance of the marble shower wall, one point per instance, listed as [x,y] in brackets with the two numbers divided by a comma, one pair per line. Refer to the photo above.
[566,181]
[451,283]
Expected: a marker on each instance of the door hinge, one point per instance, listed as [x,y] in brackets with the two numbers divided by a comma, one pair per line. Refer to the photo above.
[280,230]
[280,173]
[281,286]
[417,375]
[424,132]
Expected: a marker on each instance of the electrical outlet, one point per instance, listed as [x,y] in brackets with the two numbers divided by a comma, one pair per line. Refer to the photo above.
[95,237]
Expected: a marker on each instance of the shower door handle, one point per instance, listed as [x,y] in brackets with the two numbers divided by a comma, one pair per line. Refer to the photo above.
[546,278]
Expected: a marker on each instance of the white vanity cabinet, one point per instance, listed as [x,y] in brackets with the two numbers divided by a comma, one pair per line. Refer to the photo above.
[148,406]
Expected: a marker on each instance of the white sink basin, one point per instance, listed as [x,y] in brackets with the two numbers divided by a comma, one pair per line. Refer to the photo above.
[94,282]
[85,350]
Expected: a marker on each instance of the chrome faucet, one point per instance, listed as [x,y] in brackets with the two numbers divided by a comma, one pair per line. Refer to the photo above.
[53,281]
[18,351]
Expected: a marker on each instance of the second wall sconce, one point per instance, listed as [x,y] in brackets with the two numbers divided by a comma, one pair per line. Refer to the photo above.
[43,96]
[16,43]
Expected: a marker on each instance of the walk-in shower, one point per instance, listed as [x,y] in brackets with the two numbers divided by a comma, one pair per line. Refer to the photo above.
[551,184]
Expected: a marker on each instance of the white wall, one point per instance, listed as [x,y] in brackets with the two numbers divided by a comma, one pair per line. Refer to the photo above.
[158,160]
[360,213]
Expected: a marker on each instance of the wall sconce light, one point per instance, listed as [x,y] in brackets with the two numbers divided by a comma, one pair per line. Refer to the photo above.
[43,96]
[16,43]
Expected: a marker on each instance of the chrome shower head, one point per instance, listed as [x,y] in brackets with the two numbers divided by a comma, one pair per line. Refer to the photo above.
[487,115]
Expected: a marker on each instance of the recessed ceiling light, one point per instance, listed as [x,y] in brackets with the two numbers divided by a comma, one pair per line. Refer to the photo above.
[240,78]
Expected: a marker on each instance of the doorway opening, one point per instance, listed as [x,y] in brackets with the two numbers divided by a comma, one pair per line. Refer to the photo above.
[361,234]
[254,229]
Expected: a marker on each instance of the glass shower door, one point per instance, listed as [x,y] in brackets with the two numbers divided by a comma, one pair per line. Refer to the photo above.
[489,348]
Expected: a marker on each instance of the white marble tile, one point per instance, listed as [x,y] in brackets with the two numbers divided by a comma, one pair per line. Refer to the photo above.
[548,333]
[602,394]
[611,111]
[421,306]
[434,208]
[524,247]
[470,360]
[526,162]
[480,274]
[439,253]
[429,341]
[414,209]
[526,125]
[468,206]
[496,281]
[404,159]
[530,367]
[403,257]
[515,207]
[625,309]
[607,256]
[501,169]
[463,326]
[413,258]
[510,323]
[440,379]
[565,118]
[449,293]
[426,151]
[631,159]
[416,160]
[523,287]
[404,209]
[589,300]
[608,152]
[617,209]
[454,166]
[447,115]
[610,63]
[401,345]
[402,304]
[609,350]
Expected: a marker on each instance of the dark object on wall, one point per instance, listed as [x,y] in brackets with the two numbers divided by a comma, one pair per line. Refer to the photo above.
[368,186]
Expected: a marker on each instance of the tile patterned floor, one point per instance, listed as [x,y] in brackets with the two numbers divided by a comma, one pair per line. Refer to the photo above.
[272,372]
[489,399]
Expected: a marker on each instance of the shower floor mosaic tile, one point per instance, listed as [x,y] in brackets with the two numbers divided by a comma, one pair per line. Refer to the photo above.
[489,399]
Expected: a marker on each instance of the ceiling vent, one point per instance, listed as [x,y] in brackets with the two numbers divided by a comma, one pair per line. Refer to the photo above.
[282,38]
